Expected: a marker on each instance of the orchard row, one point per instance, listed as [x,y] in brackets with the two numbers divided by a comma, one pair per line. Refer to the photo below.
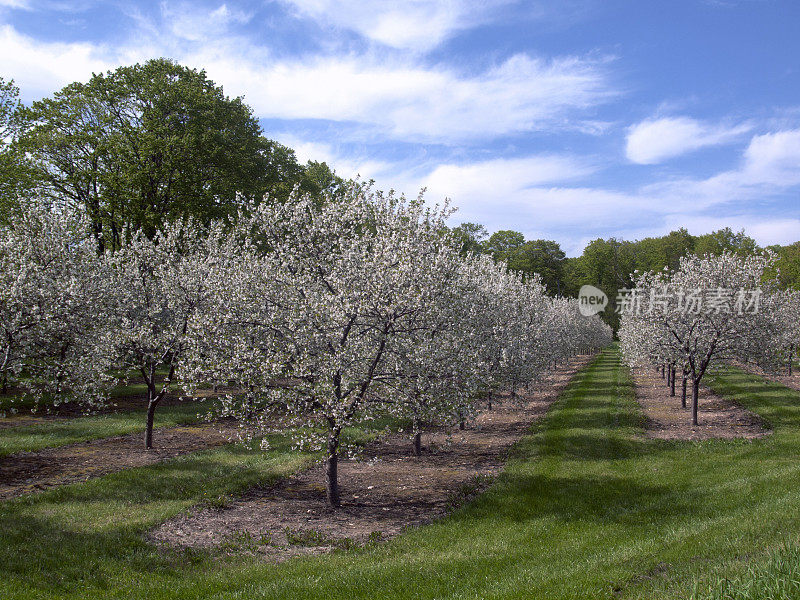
[694,316]
[332,312]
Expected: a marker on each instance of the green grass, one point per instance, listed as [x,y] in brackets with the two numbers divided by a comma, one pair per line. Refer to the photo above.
[59,432]
[772,577]
[587,508]
[86,540]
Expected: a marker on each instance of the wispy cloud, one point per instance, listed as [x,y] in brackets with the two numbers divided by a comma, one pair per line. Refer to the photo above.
[408,101]
[769,165]
[19,4]
[401,98]
[41,67]
[416,25]
[188,22]
[655,140]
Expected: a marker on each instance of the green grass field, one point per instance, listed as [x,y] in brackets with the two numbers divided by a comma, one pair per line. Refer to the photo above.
[588,507]
[59,432]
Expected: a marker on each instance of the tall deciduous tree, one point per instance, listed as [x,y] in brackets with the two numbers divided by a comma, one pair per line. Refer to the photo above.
[151,143]
[17,177]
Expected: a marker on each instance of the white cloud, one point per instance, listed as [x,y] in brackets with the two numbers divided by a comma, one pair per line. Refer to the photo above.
[407,24]
[411,102]
[41,67]
[400,99]
[528,194]
[346,165]
[655,140]
[770,165]
[20,4]
[190,23]
[503,177]
[773,158]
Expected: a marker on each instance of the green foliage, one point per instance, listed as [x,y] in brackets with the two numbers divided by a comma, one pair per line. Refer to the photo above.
[725,240]
[544,257]
[155,142]
[503,243]
[788,265]
[17,176]
[470,237]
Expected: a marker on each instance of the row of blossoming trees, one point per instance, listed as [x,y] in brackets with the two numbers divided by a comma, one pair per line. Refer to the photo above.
[709,310]
[330,311]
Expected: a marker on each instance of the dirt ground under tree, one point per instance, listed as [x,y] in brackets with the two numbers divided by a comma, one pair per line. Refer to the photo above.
[668,420]
[384,492]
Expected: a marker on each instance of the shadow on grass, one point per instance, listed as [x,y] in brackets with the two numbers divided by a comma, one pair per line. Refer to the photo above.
[623,500]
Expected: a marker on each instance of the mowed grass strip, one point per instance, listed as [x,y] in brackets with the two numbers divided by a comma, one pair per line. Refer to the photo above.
[60,432]
[588,507]
[88,540]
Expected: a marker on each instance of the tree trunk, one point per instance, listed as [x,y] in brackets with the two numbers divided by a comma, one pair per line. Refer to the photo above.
[5,382]
[332,469]
[672,381]
[461,425]
[695,394]
[683,391]
[662,371]
[148,431]
[489,400]
[417,438]
[791,358]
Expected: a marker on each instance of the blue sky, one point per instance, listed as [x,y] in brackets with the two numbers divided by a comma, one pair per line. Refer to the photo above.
[566,120]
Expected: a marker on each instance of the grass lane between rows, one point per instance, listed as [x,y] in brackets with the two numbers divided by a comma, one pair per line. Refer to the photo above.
[588,507]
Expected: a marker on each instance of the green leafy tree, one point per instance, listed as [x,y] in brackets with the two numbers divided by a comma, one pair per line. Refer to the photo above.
[726,240]
[607,265]
[544,257]
[503,243]
[787,266]
[470,238]
[17,176]
[666,251]
[150,143]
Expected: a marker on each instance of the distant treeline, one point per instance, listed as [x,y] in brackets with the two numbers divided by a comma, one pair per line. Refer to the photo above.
[610,263]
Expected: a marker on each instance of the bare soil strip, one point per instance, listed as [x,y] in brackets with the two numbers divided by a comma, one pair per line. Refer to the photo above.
[27,472]
[667,420]
[383,493]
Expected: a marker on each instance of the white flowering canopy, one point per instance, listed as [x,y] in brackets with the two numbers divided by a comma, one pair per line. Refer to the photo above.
[711,308]
[53,292]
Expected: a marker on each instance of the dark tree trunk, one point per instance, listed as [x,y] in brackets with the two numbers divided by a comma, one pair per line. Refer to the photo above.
[489,400]
[672,381]
[683,391]
[695,394]
[332,469]
[417,437]
[791,358]
[151,412]
[662,372]
[461,425]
